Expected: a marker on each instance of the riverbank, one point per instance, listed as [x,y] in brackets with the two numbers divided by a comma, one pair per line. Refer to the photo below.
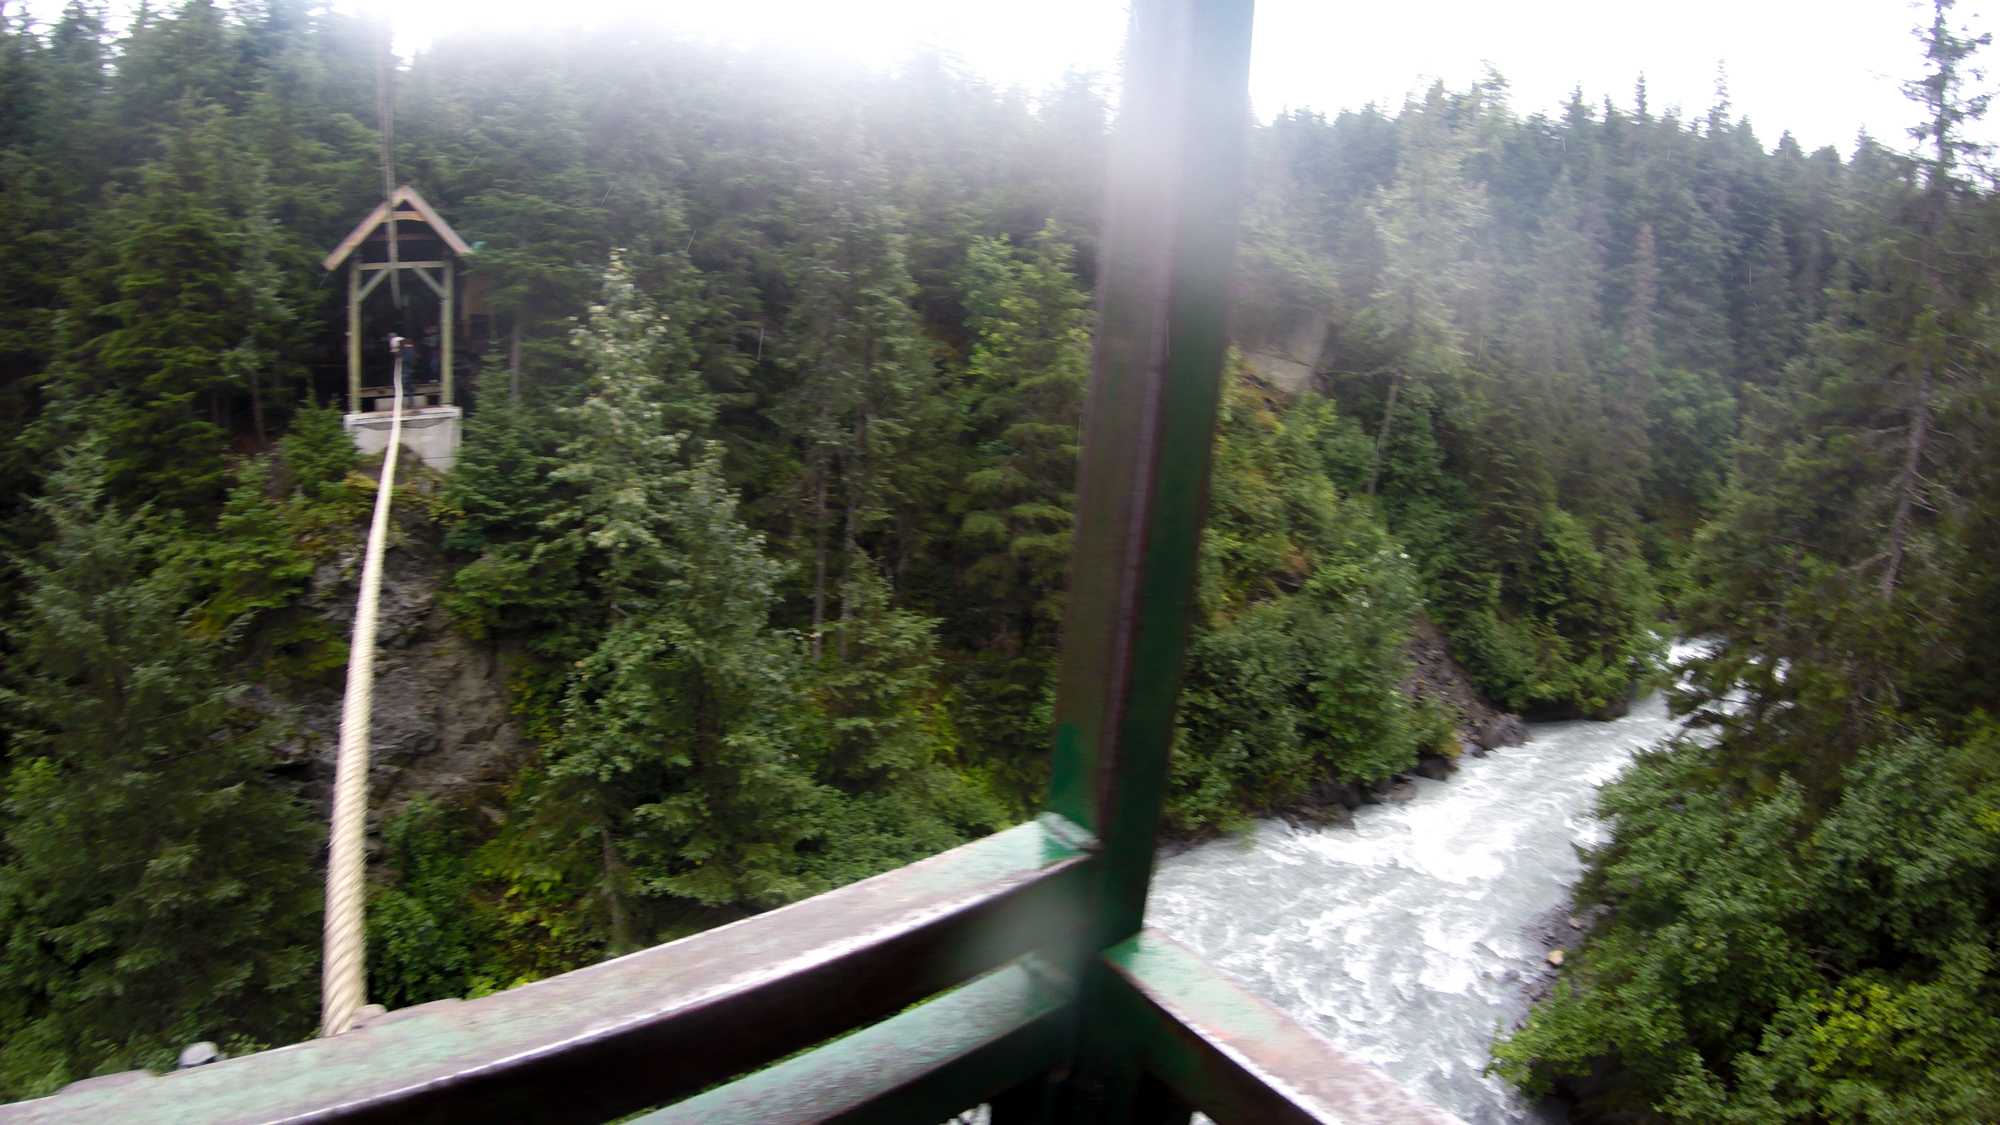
[1434,679]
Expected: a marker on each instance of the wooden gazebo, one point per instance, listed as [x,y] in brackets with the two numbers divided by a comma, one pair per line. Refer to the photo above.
[404,234]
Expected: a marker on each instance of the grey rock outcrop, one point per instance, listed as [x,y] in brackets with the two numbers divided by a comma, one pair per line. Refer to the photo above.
[442,727]
[1435,676]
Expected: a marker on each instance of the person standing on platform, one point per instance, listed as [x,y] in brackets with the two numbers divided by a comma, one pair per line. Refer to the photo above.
[405,349]
[431,356]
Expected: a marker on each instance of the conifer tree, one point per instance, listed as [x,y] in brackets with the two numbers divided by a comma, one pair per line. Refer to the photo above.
[1423,222]
[864,408]
[1024,400]
[157,889]
[1830,569]
[1029,360]
[500,488]
[674,727]
[157,312]
[884,746]
[1768,318]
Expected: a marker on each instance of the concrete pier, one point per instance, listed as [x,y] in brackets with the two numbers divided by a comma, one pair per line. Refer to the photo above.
[430,432]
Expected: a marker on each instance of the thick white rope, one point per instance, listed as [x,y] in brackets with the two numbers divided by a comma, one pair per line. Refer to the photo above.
[344,978]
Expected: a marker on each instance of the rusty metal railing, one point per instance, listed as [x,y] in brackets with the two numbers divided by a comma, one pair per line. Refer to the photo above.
[1013,971]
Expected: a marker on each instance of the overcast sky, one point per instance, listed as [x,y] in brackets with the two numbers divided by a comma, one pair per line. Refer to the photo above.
[1823,69]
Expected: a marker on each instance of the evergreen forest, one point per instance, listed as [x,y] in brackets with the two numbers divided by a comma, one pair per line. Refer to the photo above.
[763,516]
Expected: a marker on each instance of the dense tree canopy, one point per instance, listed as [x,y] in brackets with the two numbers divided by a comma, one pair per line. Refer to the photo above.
[766,495]
[1802,893]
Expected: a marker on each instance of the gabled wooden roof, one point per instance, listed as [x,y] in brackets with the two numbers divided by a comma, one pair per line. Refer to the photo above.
[380,215]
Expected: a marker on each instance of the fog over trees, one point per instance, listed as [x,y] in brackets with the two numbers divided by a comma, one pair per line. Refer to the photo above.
[764,507]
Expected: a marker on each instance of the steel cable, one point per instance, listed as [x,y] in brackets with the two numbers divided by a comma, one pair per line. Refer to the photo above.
[344,978]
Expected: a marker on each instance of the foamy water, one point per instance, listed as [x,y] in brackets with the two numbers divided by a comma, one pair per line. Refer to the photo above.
[1405,939]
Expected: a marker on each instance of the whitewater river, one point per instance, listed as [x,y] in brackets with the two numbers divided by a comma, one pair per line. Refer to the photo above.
[1406,938]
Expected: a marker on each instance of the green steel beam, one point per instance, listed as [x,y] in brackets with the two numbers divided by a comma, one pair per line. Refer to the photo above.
[1238,1059]
[933,1061]
[1149,426]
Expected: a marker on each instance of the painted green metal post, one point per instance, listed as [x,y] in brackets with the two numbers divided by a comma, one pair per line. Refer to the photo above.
[1170,234]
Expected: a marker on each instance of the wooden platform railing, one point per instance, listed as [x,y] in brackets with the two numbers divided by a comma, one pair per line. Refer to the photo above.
[1013,971]
[984,936]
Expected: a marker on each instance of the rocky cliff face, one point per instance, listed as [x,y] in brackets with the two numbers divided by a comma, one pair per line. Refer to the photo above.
[441,727]
[1435,676]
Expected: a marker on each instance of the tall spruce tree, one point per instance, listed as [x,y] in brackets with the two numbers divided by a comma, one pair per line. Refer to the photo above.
[1023,409]
[674,727]
[157,887]
[158,310]
[1802,903]
[864,408]
[1836,601]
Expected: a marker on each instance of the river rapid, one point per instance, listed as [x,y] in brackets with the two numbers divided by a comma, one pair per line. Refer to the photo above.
[1410,938]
